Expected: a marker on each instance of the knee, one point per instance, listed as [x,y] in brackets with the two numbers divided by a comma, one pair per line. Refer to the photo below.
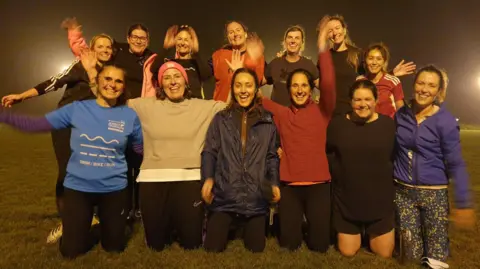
[348,251]
[191,245]
[318,248]
[214,249]
[256,247]
[319,244]
[69,252]
[384,253]
[291,245]
[289,240]
[117,248]
[156,247]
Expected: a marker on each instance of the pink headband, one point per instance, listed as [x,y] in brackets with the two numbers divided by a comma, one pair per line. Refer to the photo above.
[169,65]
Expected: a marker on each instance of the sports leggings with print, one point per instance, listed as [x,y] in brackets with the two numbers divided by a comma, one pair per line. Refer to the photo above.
[422,218]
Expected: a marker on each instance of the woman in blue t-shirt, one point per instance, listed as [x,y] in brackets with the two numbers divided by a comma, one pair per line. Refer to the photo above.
[96,171]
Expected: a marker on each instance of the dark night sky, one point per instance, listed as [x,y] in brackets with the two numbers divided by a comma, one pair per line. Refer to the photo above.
[426,31]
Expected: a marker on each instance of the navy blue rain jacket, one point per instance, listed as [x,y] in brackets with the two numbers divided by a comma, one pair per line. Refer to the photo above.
[242,183]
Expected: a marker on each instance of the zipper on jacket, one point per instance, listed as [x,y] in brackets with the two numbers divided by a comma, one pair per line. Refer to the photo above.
[244,139]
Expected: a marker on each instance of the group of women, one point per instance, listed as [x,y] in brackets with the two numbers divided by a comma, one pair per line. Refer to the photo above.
[360,158]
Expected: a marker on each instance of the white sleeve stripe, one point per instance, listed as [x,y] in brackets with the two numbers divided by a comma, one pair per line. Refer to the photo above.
[393,79]
[59,76]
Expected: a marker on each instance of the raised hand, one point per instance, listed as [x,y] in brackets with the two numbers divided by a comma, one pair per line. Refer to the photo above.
[89,60]
[403,68]
[9,100]
[207,194]
[236,61]
[70,24]
[323,28]
[255,47]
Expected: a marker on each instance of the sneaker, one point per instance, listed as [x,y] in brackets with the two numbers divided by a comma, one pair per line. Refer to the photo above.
[55,234]
[434,264]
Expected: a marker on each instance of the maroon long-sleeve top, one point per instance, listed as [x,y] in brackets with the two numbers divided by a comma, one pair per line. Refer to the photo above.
[303,131]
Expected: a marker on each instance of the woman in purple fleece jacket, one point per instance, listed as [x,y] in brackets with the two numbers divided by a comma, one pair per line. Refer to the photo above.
[428,154]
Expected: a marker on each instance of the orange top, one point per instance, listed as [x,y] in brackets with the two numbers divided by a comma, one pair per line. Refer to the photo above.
[223,74]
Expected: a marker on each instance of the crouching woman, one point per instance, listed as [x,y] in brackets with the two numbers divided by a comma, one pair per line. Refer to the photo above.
[240,167]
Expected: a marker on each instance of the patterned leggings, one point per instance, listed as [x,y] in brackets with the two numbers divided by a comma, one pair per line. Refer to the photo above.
[422,216]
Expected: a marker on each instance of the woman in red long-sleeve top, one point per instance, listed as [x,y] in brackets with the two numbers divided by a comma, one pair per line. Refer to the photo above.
[304,170]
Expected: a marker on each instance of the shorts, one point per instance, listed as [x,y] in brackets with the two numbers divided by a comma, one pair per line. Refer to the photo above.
[376,227]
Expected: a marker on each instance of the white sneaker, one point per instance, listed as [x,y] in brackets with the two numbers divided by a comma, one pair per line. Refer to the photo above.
[55,234]
[434,264]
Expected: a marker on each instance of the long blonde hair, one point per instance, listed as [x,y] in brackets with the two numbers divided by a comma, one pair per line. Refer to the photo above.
[174,30]
[353,50]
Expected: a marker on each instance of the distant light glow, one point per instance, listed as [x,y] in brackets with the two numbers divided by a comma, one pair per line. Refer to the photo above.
[63,68]
[457,119]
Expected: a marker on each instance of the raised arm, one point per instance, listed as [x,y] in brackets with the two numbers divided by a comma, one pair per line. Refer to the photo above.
[54,83]
[58,119]
[327,71]
[76,40]
[273,107]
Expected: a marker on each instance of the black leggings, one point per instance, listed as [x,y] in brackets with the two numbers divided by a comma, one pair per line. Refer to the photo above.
[313,201]
[172,205]
[77,217]
[61,146]
[134,162]
[218,227]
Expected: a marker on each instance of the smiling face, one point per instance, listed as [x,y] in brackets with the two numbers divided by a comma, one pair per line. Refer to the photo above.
[173,84]
[293,42]
[363,103]
[236,34]
[183,42]
[138,41]
[244,89]
[103,49]
[300,90]
[427,87]
[111,83]
[337,32]
[375,62]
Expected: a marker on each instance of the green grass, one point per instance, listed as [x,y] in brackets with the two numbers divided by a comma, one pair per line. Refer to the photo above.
[27,210]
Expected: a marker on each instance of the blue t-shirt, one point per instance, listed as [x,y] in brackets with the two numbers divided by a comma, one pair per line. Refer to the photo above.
[98,142]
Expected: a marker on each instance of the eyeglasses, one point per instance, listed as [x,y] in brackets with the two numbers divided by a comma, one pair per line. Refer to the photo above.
[142,39]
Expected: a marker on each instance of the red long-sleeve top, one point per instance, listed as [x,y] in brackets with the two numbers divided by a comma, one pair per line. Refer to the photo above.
[303,131]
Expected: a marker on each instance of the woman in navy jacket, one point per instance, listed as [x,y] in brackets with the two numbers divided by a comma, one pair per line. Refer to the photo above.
[428,154]
[240,167]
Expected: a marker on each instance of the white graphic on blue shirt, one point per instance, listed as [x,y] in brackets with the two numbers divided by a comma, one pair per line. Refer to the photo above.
[117,126]
[98,141]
